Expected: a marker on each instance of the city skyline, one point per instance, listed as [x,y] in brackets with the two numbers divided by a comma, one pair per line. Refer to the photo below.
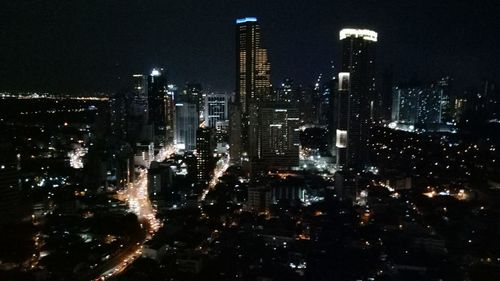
[249,140]
[79,47]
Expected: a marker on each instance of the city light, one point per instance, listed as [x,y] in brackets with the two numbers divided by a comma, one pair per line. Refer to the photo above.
[137,198]
[220,169]
[366,34]
[155,72]
[247,19]
[76,157]
[374,160]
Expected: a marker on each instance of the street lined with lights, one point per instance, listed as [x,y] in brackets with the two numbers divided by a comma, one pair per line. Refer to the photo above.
[136,196]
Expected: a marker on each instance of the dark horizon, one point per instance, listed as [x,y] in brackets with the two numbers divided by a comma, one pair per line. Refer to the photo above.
[83,46]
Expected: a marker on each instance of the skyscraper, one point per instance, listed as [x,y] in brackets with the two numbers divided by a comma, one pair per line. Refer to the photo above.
[357,101]
[235,132]
[119,104]
[140,85]
[253,81]
[186,116]
[417,105]
[205,145]
[138,112]
[405,102]
[194,94]
[216,108]
[285,92]
[430,105]
[279,136]
[161,108]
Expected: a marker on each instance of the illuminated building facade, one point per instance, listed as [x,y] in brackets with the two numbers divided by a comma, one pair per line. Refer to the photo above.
[186,117]
[253,79]
[417,105]
[405,104]
[357,100]
[205,144]
[279,136]
[216,109]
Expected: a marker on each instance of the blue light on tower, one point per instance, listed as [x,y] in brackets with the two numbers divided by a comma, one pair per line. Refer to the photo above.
[247,19]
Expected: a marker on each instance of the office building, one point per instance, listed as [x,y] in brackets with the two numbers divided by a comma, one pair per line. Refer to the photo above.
[119,105]
[285,92]
[234,131]
[279,136]
[405,104]
[417,105]
[216,109]
[193,93]
[253,79]
[259,199]
[161,108]
[205,145]
[160,178]
[186,117]
[445,84]
[357,100]
[430,106]
[140,85]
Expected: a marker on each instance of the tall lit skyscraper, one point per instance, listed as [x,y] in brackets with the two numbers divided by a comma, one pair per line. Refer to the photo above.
[357,102]
[161,108]
[253,81]
[205,144]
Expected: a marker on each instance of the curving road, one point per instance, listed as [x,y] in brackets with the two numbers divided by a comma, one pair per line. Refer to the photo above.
[136,196]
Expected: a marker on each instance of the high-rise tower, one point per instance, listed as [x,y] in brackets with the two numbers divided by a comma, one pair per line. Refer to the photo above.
[357,101]
[279,136]
[161,108]
[186,124]
[253,81]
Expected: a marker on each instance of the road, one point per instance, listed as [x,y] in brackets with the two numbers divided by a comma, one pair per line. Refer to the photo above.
[136,196]
[220,169]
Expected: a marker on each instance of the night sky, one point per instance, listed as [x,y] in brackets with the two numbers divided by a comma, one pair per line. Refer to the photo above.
[95,45]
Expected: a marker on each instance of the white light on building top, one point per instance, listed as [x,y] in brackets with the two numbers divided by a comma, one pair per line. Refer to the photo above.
[155,72]
[366,34]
